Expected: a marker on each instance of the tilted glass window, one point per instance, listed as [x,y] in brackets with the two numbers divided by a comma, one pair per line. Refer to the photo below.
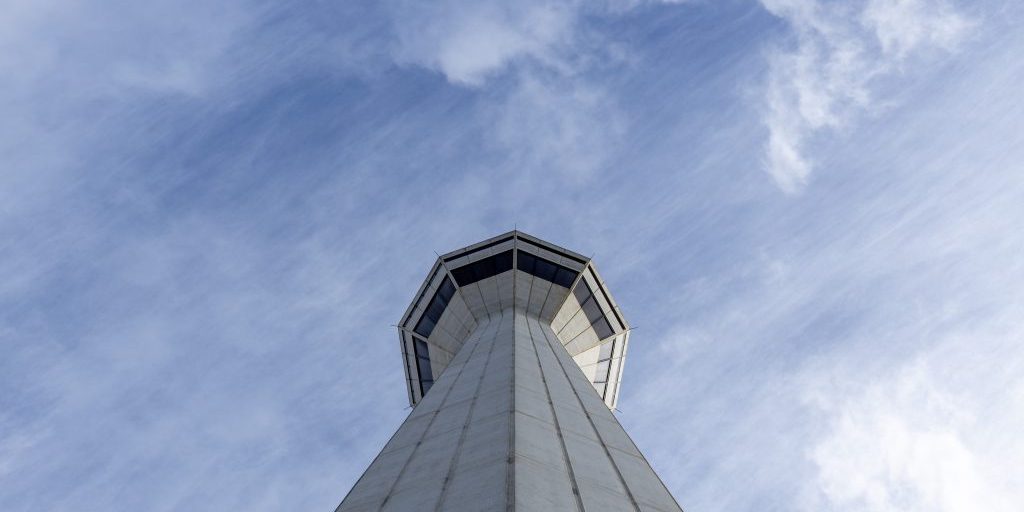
[564,277]
[435,308]
[423,370]
[592,310]
[602,328]
[446,291]
[546,270]
[480,270]
[582,292]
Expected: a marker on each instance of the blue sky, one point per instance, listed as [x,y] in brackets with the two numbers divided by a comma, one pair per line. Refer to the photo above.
[212,215]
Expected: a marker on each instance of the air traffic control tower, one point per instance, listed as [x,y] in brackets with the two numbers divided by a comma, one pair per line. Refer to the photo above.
[513,351]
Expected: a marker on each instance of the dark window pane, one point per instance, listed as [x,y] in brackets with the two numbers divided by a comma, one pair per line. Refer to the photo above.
[435,309]
[464,275]
[422,352]
[592,310]
[526,262]
[479,270]
[474,271]
[503,262]
[424,370]
[483,269]
[545,270]
[582,292]
[602,328]
[446,290]
[425,386]
[564,277]
[424,327]
[420,348]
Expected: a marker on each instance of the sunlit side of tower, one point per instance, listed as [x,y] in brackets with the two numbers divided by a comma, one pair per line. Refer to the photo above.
[513,351]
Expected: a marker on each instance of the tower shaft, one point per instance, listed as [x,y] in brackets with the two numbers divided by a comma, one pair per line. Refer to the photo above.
[512,424]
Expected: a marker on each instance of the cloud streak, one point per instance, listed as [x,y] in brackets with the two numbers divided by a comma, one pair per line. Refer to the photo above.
[471,43]
[200,269]
[829,77]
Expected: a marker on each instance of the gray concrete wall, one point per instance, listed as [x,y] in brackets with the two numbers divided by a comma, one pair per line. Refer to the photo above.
[511,424]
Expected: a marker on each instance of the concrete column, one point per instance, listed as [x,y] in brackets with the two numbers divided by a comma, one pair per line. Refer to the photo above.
[511,425]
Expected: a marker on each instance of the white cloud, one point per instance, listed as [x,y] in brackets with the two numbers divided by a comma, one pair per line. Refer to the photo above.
[469,42]
[868,356]
[540,110]
[827,79]
[902,26]
[934,435]
[249,309]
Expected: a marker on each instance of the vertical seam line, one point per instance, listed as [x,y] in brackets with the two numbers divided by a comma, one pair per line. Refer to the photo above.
[510,481]
[444,401]
[583,406]
[465,426]
[554,416]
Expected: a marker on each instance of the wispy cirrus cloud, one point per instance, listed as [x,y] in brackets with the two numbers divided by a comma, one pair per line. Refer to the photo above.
[528,63]
[827,77]
[931,435]
[469,43]
[872,346]
[211,216]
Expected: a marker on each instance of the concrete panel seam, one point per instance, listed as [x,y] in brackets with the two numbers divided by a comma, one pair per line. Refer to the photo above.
[618,472]
[558,429]
[465,426]
[510,480]
[412,455]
